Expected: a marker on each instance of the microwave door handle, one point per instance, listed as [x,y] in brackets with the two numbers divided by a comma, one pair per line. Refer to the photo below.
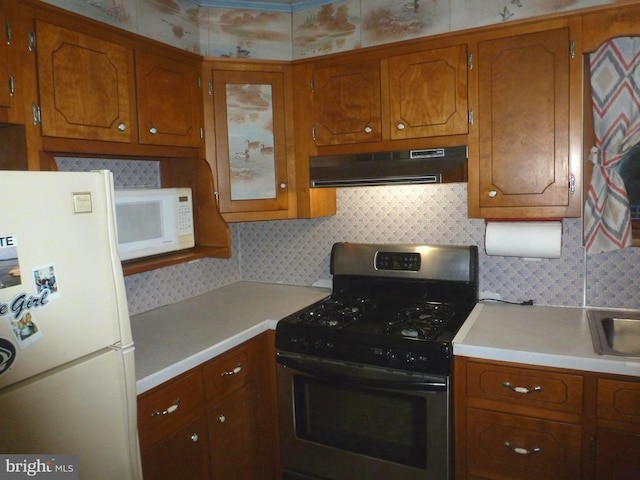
[371,381]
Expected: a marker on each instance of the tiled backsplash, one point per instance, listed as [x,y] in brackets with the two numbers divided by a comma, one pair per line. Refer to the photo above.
[297,251]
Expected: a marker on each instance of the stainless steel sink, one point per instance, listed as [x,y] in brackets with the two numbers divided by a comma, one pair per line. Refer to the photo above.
[615,332]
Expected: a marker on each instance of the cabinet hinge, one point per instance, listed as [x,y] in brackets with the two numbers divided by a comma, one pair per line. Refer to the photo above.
[572,48]
[7,32]
[572,184]
[592,448]
[311,85]
[210,89]
[12,85]
[471,117]
[470,61]
[35,109]
[217,195]
[313,133]
[199,82]
[31,41]
[201,133]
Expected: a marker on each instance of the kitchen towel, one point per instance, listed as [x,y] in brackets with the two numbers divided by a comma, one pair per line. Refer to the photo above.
[532,240]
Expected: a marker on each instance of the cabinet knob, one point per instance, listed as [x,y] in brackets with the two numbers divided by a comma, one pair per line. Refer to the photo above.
[492,194]
[368,129]
[222,419]
[153,130]
[400,126]
[283,186]
[122,127]
[194,437]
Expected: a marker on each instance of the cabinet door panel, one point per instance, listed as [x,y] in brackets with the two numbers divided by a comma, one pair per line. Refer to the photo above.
[84,84]
[182,455]
[234,429]
[347,104]
[169,101]
[428,92]
[521,447]
[618,455]
[251,147]
[523,120]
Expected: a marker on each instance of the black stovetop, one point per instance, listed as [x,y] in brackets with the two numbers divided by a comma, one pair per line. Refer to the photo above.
[398,318]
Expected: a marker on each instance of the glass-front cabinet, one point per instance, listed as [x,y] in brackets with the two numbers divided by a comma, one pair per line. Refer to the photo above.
[250,118]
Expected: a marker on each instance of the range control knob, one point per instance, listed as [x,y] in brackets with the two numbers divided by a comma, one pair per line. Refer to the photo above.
[392,358]
[410,359]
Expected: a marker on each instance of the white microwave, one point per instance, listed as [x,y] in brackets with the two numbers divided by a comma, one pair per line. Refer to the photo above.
[152,221]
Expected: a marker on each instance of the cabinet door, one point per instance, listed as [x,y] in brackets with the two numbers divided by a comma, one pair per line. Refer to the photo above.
[523,120]
[617,455]
[183,455]
[347,104]
[169,101]
[234,429]
[428,92]
[85,86]
[5,89]
[251,153]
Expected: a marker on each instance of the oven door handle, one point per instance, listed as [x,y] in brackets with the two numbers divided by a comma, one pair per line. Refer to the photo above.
[366,377]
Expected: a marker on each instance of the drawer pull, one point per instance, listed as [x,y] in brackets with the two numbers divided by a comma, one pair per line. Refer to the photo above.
[235,371]
[169,410]
[522,389]
[194,437]
[520,450]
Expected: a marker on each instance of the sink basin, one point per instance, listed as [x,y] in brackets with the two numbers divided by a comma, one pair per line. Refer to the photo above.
[615,332]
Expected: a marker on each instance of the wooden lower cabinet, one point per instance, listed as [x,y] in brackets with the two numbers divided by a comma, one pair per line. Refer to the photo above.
[235,445]
[180,455]
[213,422]
[516,421]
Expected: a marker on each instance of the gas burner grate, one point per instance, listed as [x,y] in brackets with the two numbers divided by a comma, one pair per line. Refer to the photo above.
[423,321]
[337,312]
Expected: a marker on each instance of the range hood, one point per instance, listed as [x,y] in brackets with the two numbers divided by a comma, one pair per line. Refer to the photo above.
[429,165]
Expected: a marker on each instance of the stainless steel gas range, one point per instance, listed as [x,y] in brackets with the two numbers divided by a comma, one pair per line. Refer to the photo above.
[364,375]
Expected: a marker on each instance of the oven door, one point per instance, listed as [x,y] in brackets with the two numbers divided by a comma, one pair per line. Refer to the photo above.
[342,421]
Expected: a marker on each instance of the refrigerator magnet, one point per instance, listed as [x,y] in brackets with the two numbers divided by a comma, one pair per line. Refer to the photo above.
[9,264]
[44,279]
[26,330]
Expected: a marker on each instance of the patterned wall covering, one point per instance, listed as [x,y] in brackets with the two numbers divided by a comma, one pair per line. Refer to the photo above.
[297,251]
[315,28]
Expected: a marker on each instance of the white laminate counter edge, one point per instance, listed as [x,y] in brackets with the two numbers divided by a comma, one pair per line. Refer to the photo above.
[473,341]
[157,378]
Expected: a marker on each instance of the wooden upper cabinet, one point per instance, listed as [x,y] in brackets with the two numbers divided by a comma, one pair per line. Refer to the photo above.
[428,93]
[347,104]
[169,101]
[255,167]
[524,125]
[85,86]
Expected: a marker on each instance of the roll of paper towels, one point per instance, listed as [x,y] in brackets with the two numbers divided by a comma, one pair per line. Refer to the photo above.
[524,239]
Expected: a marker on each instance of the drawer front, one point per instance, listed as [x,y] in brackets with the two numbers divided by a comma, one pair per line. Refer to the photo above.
[619,400]
[170,406]
[510,446]
[524,386]
[231,371]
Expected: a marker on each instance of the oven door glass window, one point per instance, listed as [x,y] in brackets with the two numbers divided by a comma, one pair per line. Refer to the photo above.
[377,423]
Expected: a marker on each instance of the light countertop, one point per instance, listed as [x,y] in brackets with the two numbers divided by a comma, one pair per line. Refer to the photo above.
[536,335]
[173,339]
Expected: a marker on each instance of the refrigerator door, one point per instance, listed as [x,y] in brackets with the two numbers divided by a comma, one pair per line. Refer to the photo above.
[82,408]
[62,293]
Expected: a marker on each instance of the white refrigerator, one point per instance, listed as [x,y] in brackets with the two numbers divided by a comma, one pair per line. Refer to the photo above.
[67,380]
